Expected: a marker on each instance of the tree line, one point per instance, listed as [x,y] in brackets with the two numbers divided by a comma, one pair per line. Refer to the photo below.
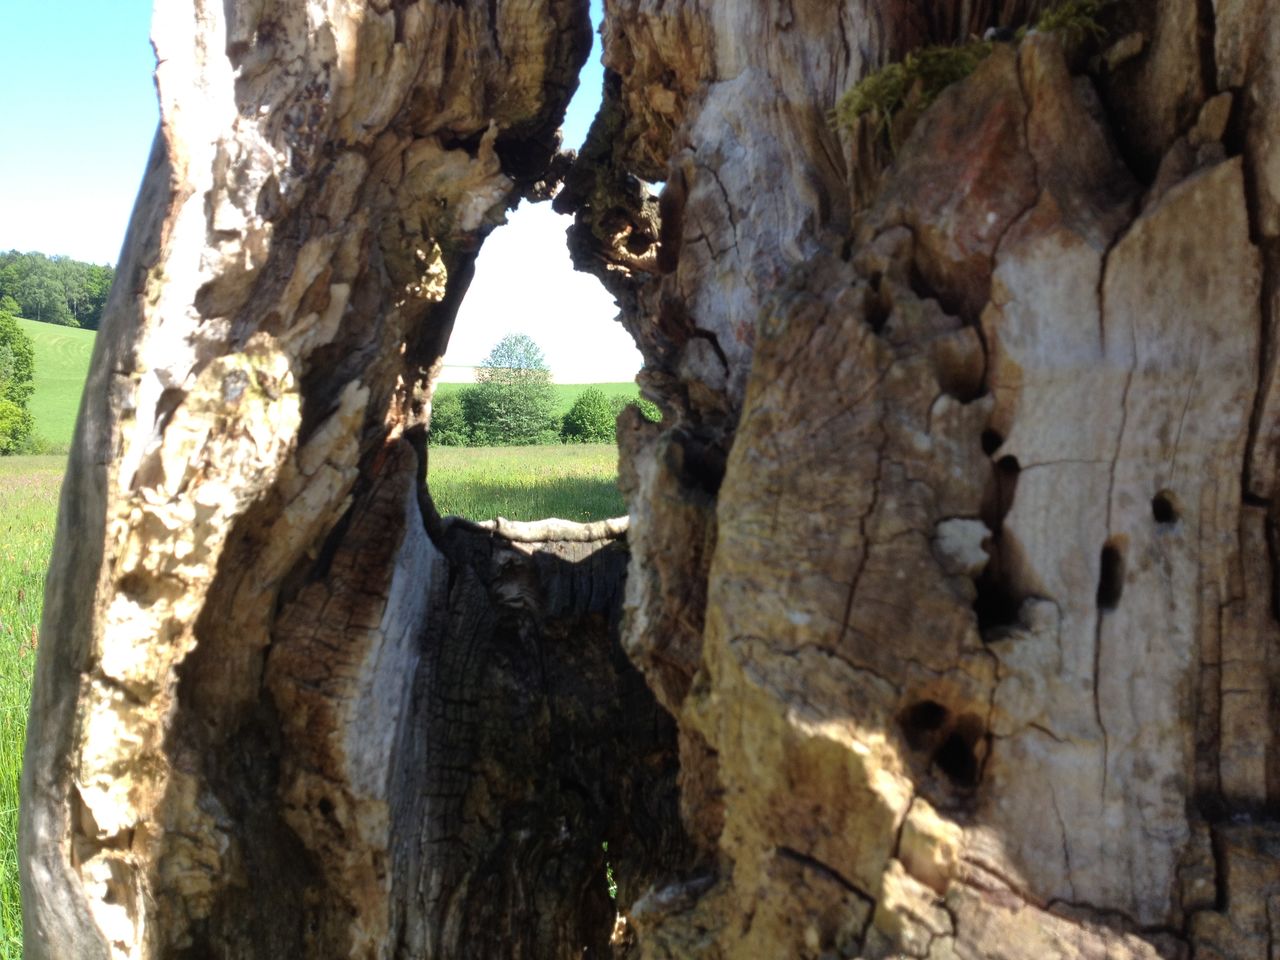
[513,403]
[17,376]
[56,289]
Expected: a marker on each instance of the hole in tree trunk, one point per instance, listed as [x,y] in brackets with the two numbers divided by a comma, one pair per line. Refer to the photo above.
[877,306]
[922,719]
[1110,577]
[997,603]
[1164,509]
[956,760]
[998,498]
[549,707]
[1000,588]
[958,755]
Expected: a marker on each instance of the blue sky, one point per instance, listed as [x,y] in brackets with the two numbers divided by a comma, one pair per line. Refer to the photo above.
[79,116]
[78,123]
[582,108]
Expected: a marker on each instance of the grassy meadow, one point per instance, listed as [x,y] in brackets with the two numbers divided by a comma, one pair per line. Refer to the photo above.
[28,505]
[571,481]
[62,363]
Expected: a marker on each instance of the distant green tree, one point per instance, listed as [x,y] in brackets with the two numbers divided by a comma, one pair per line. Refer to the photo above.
[17,361]
[15,427]
[592,418]
[74,278]
[448,421]
[17,375]
[43,299]
[98,288]
[513,401]
[515,357]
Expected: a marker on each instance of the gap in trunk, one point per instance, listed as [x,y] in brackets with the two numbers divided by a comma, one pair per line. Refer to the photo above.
[566,752]
[525,283]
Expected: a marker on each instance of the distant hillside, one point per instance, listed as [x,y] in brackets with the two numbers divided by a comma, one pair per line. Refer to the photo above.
[62,364]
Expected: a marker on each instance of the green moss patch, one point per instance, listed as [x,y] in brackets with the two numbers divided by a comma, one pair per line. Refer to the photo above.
[915,82]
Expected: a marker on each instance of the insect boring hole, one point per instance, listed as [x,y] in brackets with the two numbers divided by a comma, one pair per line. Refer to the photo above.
[997,497]
[876,306]
[957,758]
[996,604]
[1110,576]
[921,721]
[945,742]
[991,440]
[1001,588]
[1164,508]
[1008,468]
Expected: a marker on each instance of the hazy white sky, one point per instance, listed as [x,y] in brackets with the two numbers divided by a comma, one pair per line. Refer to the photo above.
[525,282]
[79,127]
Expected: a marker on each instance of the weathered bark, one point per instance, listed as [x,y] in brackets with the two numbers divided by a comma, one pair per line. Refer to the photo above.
[275,716]
[951,565]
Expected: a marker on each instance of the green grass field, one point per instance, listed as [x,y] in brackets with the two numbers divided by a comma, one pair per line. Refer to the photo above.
[570,481]
[574,481]
[62,363]
[566,393]
[28,505]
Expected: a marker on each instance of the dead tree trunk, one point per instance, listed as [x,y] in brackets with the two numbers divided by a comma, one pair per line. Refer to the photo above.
[951,573]
[283,710]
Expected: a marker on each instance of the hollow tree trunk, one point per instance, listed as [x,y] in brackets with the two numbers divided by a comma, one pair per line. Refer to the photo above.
[950,570]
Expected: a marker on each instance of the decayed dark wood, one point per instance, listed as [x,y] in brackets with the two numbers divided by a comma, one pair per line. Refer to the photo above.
[541,745]
[515,740]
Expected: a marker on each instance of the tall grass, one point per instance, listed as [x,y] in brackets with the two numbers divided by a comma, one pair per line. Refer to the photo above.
[28,506]
[575,482]
[570,481]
